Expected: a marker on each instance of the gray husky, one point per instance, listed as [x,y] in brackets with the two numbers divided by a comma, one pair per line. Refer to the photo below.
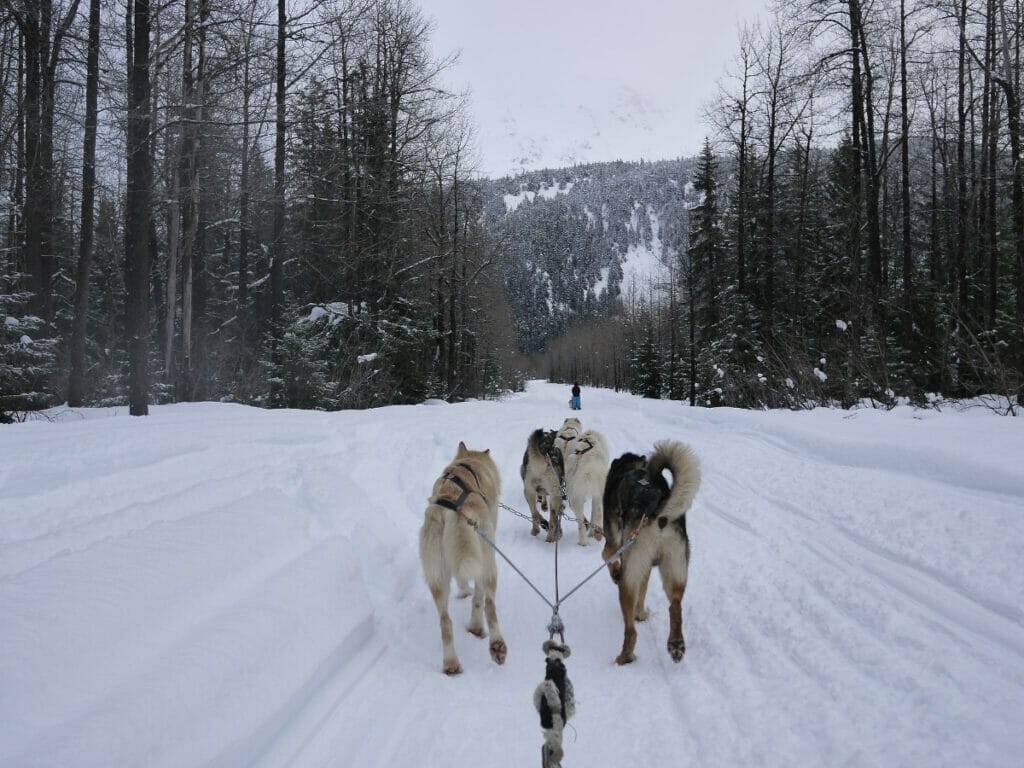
[543,474]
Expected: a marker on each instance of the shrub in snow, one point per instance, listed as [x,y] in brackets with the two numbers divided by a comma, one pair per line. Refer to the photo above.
[330,359]
[26,358]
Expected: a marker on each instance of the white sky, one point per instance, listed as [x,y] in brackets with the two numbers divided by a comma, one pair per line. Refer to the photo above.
[558,81]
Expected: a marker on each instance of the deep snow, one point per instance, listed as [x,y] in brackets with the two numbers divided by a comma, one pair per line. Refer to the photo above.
[220,585]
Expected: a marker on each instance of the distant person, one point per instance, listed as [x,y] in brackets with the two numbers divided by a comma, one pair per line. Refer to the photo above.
[575,402]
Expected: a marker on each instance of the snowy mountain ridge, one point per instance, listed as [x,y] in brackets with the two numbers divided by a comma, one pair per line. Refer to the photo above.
[573,241]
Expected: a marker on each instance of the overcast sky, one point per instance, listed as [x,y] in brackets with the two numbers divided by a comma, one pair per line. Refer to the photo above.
[560,81]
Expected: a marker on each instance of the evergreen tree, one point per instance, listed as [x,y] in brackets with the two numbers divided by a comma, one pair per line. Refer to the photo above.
[25,359]
[705,276]
[647,366]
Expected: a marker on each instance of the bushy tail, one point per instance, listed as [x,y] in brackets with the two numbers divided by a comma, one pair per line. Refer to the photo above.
[684,465]
[449,547]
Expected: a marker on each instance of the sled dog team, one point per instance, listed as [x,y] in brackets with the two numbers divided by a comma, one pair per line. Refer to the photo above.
[629,497]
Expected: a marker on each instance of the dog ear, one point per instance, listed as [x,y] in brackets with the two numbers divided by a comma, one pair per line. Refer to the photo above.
[462,450]
[487,451]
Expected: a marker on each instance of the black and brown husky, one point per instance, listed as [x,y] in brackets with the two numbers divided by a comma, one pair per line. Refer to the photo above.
[638,499]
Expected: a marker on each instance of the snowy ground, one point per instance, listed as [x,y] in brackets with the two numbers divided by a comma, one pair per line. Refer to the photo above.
[218,585]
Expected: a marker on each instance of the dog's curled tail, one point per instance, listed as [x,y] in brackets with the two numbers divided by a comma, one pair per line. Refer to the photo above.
[684,465]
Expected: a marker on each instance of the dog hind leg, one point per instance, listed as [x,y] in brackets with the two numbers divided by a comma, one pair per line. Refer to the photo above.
[627,602]
[673,579]
[531,504]
[439,591]
[490,583]
[555,519]
[578,504]
[615,566]
[476,618]
[597,516]
[641,600]
[438,575]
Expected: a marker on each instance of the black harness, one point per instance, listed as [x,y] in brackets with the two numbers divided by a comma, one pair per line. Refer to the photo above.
[584,440]
[566,437]
[456,505]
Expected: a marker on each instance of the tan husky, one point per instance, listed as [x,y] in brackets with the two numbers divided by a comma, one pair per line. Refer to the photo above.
[638,499]
[465,494]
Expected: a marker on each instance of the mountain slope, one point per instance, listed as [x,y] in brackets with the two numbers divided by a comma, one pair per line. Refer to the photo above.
[573,242]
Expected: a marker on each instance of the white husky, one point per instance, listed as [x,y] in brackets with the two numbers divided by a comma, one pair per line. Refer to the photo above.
[586,469]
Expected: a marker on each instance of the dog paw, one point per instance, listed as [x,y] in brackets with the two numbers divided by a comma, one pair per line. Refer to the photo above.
[596,532]
[641,615]
[535,530]
[583,542]
[452,668]
[499,651]
[625,658]
[478,631]
[676,649]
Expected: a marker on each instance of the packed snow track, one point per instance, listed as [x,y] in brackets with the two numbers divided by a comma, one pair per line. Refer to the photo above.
[224,586]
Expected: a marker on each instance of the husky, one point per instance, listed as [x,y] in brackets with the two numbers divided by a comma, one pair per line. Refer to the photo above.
[637,499]
[570,430]
[466,494]
[586,469]
[543,473]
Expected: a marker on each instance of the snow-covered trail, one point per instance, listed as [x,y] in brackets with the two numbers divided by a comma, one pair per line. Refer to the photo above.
[218,585]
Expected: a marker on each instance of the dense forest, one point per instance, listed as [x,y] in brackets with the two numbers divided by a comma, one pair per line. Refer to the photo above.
[277,204]
[268,203]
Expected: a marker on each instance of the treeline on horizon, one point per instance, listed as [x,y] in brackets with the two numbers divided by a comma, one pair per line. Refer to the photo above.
[277,204]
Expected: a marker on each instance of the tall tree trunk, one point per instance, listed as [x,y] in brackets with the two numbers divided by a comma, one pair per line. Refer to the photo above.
[907,247]
[137,228]
[960,256]
[742,182]
[693,334]
[277,264]
[173,246]
[982,186]
[856,192]
[453,301]
[195,91]
[872,171]
[241,306]
[177,245]
[76,379]
[277,256]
